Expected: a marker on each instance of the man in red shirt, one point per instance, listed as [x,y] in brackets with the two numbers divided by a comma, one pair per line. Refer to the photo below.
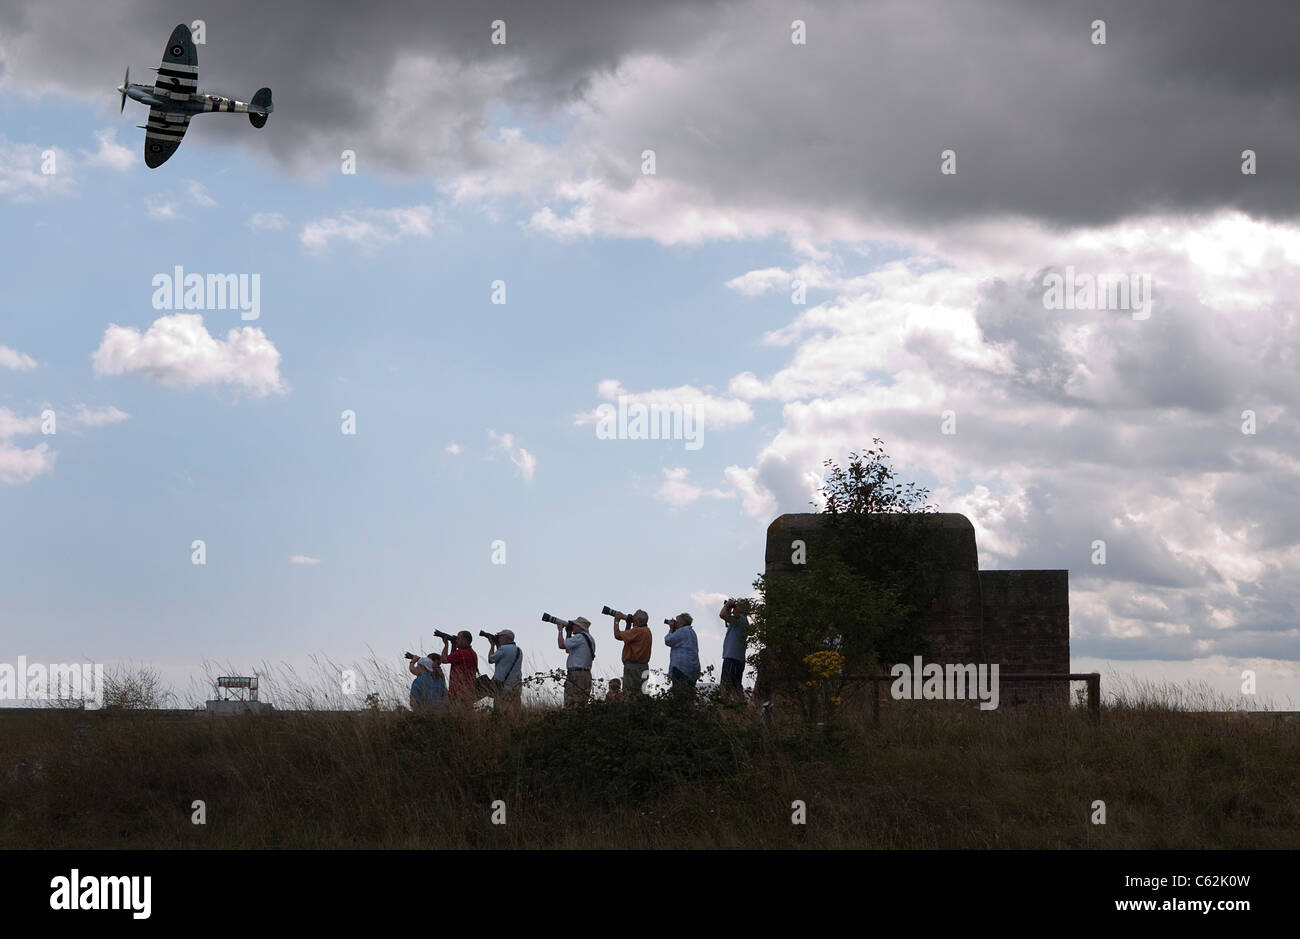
[462,686]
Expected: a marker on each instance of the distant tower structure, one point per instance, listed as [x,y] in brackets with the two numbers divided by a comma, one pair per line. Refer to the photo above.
[236,694]
[237,689]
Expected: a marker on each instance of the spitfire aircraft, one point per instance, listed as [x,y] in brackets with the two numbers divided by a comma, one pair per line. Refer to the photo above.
[174,98]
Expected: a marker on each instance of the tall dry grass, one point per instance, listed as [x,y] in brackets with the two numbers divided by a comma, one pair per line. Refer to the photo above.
[651,775]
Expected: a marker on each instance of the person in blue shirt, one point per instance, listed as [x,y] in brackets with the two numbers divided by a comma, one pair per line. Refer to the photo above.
[429,690]
[684,657]
[733,613]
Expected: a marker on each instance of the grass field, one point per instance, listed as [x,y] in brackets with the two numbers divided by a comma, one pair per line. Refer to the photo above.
[654,775]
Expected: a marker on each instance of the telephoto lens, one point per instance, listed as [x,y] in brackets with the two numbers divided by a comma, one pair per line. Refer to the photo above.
[606,611]
[489,636]
[410,656]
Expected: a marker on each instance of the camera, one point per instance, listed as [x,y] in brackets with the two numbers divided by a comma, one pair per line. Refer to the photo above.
[490,637]
[445,636]
[410,656]
[610,611]
[548,618]
[670,623]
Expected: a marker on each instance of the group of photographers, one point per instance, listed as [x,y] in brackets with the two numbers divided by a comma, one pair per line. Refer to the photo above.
[429,692]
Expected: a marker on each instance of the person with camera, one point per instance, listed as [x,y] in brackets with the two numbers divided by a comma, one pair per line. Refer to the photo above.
[684,659]
[428,691]
[462,688]
[509,661]
[735,613]
[638,642]
[582,652]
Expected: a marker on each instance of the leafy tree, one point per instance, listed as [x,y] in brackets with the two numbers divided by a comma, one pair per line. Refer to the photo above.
[866,584]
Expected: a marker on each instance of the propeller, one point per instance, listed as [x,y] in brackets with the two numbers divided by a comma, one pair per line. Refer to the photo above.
[126,83]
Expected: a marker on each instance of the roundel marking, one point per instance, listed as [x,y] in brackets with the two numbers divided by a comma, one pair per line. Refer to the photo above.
[155,148]
[177,51]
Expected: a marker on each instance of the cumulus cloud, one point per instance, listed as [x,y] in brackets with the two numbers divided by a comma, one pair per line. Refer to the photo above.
[453,448]
[18,465]
[161,206]
[303,559]
[1072,428]
[199,194]
[22,176]
[29,172]
[18,361]
[110,153]
[21,464]
[178,350]
[708,410]
[524,461]
[98,417]
[266,221]
[369,229]
[706,600]
[678,491]
[755,499]
[11,425]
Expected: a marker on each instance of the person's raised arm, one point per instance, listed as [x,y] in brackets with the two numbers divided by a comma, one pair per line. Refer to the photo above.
[559,636]
[410,667]
[725,613]
[617,634]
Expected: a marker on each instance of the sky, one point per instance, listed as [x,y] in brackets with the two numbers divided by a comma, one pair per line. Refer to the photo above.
[517,170]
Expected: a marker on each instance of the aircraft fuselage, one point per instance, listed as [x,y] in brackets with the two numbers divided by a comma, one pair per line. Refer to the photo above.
[174,103]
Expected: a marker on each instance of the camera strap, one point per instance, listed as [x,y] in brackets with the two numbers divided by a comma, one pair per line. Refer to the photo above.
[590,645]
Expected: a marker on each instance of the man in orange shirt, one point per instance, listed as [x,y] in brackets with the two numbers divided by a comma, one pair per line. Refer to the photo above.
[637,643]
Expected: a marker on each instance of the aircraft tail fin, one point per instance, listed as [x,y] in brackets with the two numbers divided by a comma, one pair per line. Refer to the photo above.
[261,101]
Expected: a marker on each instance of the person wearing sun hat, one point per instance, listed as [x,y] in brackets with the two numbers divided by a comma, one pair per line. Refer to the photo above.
[582,652]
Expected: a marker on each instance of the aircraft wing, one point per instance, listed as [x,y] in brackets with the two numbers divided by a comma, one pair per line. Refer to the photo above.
[163,135]
[178,76]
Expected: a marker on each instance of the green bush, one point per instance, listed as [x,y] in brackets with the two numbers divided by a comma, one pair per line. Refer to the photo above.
[637,749]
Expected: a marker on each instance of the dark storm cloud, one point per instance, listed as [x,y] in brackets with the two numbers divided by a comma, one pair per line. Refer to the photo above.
[1045,124]
[331,64]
